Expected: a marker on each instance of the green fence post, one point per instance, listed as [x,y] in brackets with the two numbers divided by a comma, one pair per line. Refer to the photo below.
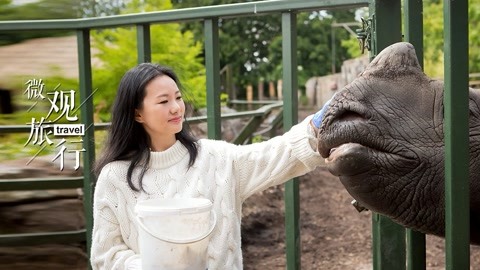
[144,51]
[457,197]
[212,66]
[290,113]
[388,237]
[85,84]
[413,23]
[388,244]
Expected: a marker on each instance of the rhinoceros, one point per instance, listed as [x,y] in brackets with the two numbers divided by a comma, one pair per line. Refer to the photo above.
[383,136]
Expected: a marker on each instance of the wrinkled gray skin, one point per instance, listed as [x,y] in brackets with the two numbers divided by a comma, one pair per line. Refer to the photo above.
[383,136]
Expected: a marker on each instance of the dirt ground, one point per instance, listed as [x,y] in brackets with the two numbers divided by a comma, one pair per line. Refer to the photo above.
[333,234]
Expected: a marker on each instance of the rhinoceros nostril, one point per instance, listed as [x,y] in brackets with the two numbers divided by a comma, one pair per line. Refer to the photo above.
[350,116]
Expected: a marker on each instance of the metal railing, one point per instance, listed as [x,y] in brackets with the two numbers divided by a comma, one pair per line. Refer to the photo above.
[256,118]
[389,248]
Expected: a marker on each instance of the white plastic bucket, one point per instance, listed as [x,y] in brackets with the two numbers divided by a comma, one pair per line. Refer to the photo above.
[174,233]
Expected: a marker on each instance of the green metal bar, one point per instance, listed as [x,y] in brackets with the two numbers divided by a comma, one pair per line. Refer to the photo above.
[388,244]
[212,66]
[85,84]
[191,120]
[181,15]
[413,23]
[40,183]
[258,116]
[290,112]
[260,102]
[387,23]
[5,129]
[416,252]
[269,105]
[248,130]
[144,51]
[83,27]
[388,237]
[276,123]
[29,239]
[199,119]
[457,197]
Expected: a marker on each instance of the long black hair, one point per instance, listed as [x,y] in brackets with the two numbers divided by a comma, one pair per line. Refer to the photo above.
[127,139]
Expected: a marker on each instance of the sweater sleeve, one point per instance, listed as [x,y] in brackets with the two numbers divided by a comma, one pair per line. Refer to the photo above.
[261,165]
[109,250]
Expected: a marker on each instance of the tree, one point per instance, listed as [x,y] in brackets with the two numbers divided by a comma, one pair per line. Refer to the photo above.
[433,41]
[314,45]
[433,38]
[41,10]
[252,45]
[474,35]
[244,41]
[100,8]
[169,46]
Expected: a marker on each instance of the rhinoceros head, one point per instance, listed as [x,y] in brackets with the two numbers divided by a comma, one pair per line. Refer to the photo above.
[383,136]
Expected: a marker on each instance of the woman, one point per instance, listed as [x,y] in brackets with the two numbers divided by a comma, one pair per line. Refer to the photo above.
[151,154]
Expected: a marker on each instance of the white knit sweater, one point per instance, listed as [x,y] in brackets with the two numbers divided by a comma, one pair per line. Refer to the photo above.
[224,173]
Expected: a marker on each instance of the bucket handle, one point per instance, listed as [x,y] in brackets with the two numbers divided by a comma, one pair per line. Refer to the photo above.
[178,241]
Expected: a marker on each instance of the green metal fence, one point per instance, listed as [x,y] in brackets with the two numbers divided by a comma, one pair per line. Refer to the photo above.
[392,244]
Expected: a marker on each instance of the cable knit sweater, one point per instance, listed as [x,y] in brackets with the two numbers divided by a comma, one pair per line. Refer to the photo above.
[224,173]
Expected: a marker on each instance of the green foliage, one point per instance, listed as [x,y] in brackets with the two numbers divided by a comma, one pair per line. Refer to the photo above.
[41,10]
[258,139]
[314,46]
[352,46]
[100,8]
[224,99]
[12,146]
[169,46]
[433,41]
[253,45]
[244,41]
[433,37]
[25,109]
[474,35]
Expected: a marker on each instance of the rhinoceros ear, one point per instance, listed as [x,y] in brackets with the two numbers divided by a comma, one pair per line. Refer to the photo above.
[396,60]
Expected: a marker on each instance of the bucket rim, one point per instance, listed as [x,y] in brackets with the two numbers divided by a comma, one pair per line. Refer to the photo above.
[202,237]
[170,206]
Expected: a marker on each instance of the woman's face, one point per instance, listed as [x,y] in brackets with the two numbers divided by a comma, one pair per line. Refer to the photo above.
[162,112]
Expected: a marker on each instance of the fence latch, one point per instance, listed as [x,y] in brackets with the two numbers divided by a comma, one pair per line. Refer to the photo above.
[364,34]
[360,208]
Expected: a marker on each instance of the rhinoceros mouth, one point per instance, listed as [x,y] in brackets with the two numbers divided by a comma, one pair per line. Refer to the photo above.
[352,145]
[349,159]
[355,139]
